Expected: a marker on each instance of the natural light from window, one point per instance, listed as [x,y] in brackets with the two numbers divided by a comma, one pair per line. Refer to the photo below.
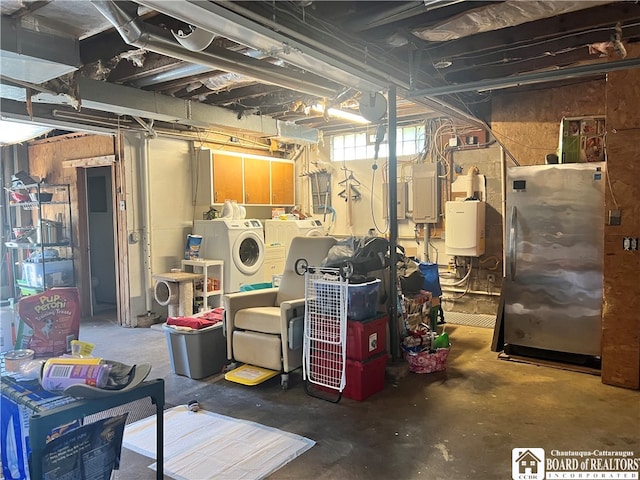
[16,132]
[361,146]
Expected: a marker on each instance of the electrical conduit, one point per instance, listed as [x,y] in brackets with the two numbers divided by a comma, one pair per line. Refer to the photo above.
[146,222]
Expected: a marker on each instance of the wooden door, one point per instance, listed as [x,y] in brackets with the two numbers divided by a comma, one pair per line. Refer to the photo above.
[282,183]
[227,178]
[257,185]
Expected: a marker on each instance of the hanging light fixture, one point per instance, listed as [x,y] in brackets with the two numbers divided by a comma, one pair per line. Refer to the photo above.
[341,114]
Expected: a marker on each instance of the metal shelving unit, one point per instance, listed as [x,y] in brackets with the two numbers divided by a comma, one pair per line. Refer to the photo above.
[41,244]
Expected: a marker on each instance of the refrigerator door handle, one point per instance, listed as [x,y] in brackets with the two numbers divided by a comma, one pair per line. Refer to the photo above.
[513,243]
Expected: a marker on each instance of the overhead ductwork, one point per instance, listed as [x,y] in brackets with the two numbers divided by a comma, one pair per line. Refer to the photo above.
[222,21]
[241,26]
[189,69]
[121,100]
[122,16]
[33,56]
[196,40]
[292,133]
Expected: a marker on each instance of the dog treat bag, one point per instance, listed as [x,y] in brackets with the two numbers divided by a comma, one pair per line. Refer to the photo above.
[49,321]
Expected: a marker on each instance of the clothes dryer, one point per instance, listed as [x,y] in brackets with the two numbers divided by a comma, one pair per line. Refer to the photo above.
[283,231]
[239,243]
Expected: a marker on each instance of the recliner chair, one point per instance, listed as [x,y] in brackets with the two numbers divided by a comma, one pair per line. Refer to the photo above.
[264,328]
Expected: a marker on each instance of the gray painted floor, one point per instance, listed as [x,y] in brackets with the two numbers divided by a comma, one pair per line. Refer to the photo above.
[459,424]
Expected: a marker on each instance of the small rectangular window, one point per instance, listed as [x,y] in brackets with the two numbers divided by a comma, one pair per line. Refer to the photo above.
[361,146]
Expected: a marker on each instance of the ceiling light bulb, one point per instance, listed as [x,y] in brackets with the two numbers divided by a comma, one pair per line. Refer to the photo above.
[336,113]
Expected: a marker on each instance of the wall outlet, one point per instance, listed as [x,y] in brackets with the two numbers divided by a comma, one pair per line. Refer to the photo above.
[630,244]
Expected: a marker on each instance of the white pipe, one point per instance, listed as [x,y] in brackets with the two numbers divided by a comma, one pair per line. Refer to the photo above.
[471,181]
[503,188]
[475,292]
[427,237]
[146,222]
[461,281]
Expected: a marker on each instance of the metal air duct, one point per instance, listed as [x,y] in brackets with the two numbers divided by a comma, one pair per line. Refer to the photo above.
[35,57]
[151,38]
[222,21]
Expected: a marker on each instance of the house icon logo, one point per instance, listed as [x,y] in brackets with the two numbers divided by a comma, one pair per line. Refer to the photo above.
[527,464]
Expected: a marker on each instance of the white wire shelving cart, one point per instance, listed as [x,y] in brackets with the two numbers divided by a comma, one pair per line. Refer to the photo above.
[325,332]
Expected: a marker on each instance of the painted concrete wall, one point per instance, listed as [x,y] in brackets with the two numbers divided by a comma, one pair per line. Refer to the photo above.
[172,210]
[357,217]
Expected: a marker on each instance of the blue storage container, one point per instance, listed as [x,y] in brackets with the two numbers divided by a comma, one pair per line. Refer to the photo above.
[362,300]
[431,278]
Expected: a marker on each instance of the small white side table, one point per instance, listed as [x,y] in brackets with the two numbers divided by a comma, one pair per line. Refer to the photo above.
[207,269]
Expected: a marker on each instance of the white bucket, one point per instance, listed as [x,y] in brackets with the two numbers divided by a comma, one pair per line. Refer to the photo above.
[8,329]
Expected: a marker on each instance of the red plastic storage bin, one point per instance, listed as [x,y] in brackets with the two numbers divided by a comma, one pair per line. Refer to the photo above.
[366,338]
[365,378]
[362,379]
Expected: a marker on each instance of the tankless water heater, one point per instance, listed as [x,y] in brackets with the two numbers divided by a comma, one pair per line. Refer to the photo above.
[465,228]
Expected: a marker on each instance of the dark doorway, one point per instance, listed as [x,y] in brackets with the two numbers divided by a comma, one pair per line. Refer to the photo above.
[101,239]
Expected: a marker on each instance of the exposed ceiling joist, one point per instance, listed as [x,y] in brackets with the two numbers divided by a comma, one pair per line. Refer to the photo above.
[529,79]
[154,39]
[270,61]
[221,21]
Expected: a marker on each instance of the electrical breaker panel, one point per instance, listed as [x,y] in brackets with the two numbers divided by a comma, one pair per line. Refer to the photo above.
[425,193]
[401,200]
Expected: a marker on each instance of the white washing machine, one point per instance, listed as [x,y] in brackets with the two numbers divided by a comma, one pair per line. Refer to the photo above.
[283,231]
[239,243]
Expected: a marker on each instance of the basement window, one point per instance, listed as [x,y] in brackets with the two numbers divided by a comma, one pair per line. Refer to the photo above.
[361,146]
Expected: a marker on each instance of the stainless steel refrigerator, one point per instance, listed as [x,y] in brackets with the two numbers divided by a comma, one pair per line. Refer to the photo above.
[555,238]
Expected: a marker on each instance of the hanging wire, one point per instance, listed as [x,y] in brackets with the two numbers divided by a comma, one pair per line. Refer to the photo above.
[611,191]
[373,216]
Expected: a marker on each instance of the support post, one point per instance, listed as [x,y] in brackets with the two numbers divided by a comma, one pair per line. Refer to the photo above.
[393,227]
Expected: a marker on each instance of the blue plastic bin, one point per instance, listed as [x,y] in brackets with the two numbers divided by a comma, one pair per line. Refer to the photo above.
[431,278]
[362,300]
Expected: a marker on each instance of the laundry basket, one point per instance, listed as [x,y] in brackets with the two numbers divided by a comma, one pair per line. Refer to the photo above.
[427,362]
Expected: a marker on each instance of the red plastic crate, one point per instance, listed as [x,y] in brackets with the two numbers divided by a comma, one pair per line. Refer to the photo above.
[366,338]
[365,378]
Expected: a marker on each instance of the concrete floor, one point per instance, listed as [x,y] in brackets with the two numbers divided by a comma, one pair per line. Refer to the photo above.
[458,424]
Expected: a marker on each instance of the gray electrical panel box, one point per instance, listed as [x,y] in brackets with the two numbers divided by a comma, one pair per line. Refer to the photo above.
[402,200]
[425,193]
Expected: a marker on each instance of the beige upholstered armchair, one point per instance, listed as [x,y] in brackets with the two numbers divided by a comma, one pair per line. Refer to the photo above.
[264,328]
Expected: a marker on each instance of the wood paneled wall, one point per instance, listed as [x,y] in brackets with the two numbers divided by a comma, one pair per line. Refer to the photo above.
[528,126]
[621,309]
[527,123]
[46,159]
